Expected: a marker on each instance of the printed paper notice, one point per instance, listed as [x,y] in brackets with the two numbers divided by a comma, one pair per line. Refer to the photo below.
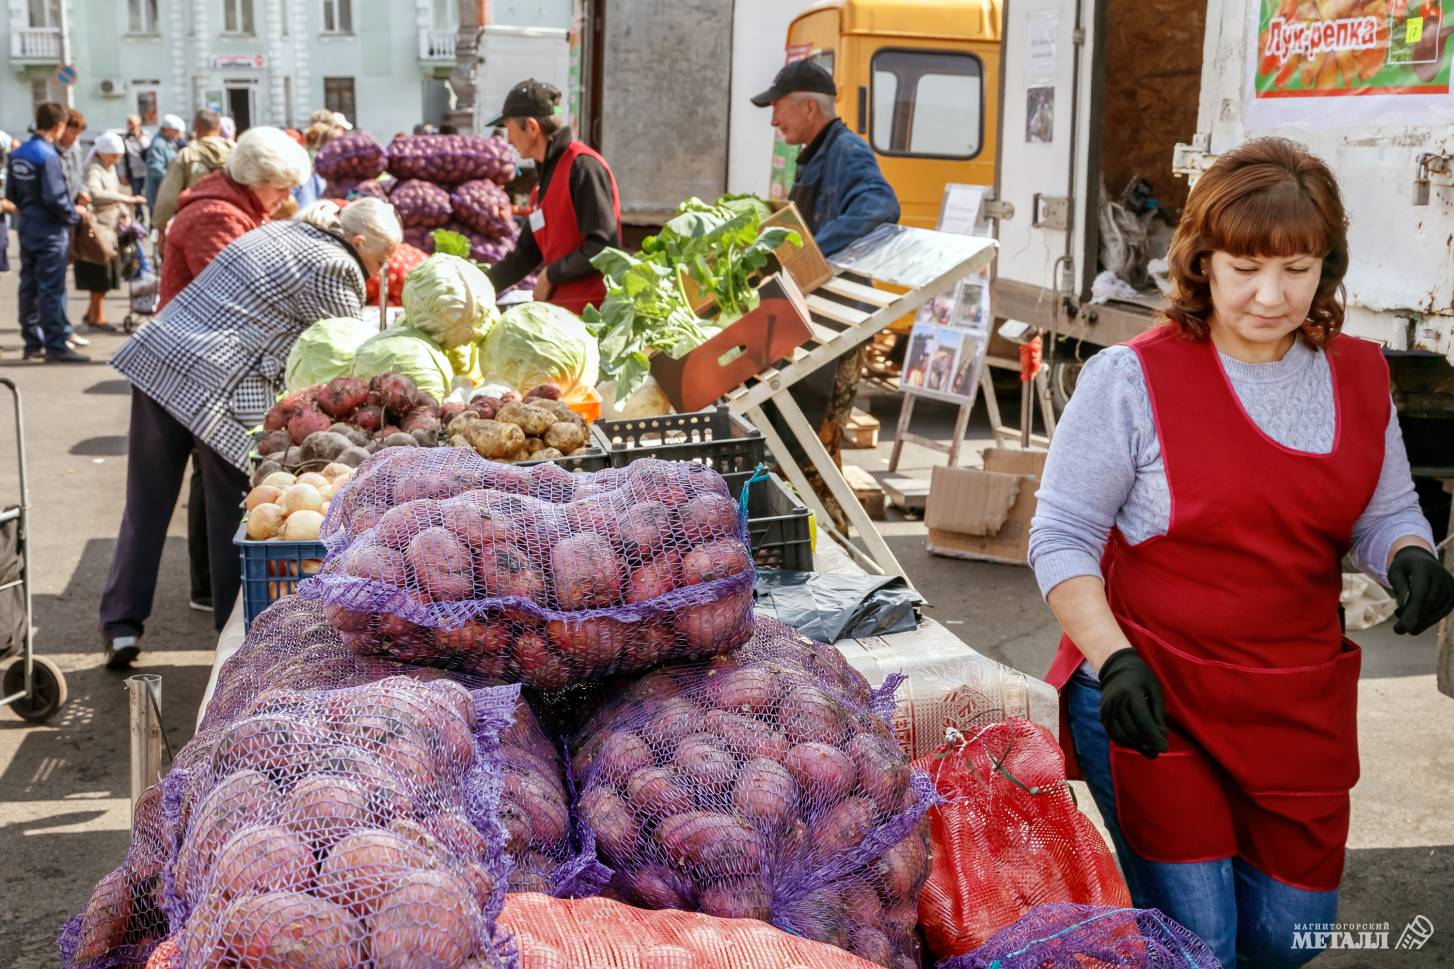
[1041,27]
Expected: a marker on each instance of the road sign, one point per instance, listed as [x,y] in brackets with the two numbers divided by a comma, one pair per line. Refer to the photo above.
[66,74]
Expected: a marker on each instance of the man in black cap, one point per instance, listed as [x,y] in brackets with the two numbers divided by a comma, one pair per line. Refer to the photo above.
[839,189]
[575,207]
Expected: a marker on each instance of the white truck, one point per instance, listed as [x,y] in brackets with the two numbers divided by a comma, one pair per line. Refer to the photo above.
[1096,94]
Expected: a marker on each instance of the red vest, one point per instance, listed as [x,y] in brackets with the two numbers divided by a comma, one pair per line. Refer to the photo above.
[1236,610]
[560,233]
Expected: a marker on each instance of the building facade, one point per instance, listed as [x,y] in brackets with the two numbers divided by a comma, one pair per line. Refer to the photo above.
[383,63]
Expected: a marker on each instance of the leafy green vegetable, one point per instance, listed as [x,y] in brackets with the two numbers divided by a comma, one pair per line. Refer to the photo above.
[325,350]
[405,350]
[540,343]
[451,243]
[449,300]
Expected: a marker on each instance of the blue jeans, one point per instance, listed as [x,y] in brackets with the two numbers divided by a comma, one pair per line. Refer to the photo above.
[43,323]
[1243,915]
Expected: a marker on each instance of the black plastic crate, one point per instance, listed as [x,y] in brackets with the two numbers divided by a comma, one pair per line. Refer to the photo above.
[776,522]
[717,438]
[272,569]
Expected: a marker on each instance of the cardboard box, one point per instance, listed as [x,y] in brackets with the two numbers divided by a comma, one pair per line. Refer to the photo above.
[769,333]
[985,514]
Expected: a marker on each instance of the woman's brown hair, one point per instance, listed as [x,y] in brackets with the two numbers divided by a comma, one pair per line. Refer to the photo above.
[1268,197]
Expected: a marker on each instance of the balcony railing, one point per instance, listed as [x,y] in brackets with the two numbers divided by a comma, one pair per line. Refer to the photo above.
[36,45]
[436,45]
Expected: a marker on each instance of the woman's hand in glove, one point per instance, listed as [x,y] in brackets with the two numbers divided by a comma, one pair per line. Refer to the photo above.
[1132,708]
[1423,588]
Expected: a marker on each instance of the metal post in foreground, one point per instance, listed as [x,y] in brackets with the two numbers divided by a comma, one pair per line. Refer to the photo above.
[146,732]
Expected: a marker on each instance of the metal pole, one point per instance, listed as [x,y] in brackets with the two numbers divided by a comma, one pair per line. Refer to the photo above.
[146,732]
[66,50]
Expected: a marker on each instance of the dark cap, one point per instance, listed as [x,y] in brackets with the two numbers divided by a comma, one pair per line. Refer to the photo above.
[797,76]
[528,99]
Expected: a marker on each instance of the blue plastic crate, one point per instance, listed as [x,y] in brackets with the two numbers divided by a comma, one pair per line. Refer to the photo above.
[273,569]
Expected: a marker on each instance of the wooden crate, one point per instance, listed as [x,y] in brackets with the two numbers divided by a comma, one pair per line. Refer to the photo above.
[867,490]
[861,432]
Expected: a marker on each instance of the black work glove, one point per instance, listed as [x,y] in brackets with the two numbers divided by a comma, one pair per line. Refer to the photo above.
[1423,587]
[1132,708]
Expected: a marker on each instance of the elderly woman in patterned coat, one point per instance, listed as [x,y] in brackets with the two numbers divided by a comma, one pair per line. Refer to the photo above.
[207,369]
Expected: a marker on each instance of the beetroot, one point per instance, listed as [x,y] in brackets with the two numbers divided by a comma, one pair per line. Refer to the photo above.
[368,418]
[396,391]
[545,392]
[423,400]
[288,407]
[273,441]
[307,421]
[450,411]
[486,406]
[420,420]
[341,396]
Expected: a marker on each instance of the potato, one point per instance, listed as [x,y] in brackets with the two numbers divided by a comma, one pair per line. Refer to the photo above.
[902,868]
[746,736]
[543,807]
[809,714]
[656,793]
[324,808]
[765,795]
[429,922]
[561,410]
[825,772]
[239,799]
[565,436]
[703,766]
[621,754]
[707,843]
[594,644]
[366,865]
[587,573]
[867,942]
[495,440]
[883,772]
[736,898]
[265,742]
[533,444]
[613,823]
[282,930]
[843,826]
[262,494]
[717,626]
[534,421]
[747,689]
[457,834]
[268,858]
[105,917]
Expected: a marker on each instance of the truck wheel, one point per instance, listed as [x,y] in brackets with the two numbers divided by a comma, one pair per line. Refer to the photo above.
[1063,375]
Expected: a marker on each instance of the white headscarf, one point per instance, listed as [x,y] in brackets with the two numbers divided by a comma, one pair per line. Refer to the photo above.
[108,142]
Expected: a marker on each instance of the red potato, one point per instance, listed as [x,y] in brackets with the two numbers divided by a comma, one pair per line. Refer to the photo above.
[613,823]
[471,517]
[323,808]
[365,865]
[901,869]
[746,736]
[652,642]
[286,930]
[716,627]
[480,639]
[421,420]
[656,887]
[397,527]
[704,767]
[710,844]
[843,826]
[765,795]
[412,831]
[429,922]
[104,920]
[409,761]
[746,689]
[883,773]
[647,526]
[539,665]
[736,898]
[442,565]
[867,942]
[595,644]
[825,772]
[587,573]
[673,719]
[265,742]
[860,902]
[457,834]
[261,859]
[656,793]
[618,757]
[481,882]
[238,799]
[543,808]
[505,571]
[708,517]
[716,560]
[656,578]
[809,714]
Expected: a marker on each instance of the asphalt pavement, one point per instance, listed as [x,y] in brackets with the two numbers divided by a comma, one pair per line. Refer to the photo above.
[64,805]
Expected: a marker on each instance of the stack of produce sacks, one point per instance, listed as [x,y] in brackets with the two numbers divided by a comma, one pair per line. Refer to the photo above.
[535,575]
[454,182]
[349,161]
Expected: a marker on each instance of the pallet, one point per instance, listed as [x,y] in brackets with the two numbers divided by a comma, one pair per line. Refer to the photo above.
[867,490]
[861,432]
[906,493]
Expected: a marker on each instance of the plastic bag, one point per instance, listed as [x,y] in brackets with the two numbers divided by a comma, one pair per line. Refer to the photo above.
[601,934]
[763,784]
[1088,937]
[534,574]
[1007,837]
[1124,245]
[829,606]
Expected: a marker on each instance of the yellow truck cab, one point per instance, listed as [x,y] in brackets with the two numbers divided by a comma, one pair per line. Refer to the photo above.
[919,80]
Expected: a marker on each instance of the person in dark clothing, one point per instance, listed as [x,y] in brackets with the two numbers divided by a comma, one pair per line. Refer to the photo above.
[36,185]
[575,207]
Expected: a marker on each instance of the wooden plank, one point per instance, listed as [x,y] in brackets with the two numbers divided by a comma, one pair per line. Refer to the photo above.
[823,334]
[861,432]
[870,493]
[835,311]
[839,286]
[910,494]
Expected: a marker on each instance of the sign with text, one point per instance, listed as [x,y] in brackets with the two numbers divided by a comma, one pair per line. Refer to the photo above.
[247,62]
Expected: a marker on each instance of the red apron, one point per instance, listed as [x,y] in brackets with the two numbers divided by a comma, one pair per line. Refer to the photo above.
[1236,611]
[558,234]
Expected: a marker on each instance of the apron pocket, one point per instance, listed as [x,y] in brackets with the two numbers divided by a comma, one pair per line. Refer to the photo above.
[1173,808]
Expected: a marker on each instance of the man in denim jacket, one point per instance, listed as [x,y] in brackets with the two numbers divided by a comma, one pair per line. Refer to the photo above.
[839,189]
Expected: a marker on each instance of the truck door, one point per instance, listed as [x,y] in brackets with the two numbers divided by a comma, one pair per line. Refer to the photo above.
[1041,167]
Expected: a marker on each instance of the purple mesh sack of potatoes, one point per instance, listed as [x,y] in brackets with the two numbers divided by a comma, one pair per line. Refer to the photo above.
[762,784]
[358,826]
[534,574]
[420,204]
[484,207]
[451,159]
[353,155]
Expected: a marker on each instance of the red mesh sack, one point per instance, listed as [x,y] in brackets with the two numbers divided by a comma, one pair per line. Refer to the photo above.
[1007,837]
[602,934]
[344,828]
[401,263]
[534,574]
[764,784]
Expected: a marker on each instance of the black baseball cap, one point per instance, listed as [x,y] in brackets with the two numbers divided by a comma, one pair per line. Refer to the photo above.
[529,99]
[797,76]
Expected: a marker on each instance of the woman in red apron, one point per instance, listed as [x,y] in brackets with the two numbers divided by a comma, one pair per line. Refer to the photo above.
[1202,490]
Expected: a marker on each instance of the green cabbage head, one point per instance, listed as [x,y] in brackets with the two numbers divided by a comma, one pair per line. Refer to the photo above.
[403,349]
[325,350]
[449,300]
[540,343]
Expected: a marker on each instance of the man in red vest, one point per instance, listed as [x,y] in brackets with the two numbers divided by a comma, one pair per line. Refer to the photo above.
[575,207]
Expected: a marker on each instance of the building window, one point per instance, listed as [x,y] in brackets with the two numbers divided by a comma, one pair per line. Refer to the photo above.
[141,16]
[146,107]
[39,91]
[446,15]
[237,17]
[927,103]
[44,14]
[338,96]
[283,13]
[338,16]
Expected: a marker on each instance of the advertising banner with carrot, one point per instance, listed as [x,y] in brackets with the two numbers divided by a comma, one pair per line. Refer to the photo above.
[1313,50]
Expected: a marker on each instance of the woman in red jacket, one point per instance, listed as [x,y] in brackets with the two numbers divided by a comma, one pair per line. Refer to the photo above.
[259,176]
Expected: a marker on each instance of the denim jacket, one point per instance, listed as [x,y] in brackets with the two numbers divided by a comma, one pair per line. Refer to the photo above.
[840,190]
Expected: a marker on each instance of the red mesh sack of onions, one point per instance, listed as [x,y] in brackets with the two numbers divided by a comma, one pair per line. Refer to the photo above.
[451,159]
[420,204]
[484,207]
[599,933]
[534,574]
[357,826]
[401,263]
[353,155]
[764,784]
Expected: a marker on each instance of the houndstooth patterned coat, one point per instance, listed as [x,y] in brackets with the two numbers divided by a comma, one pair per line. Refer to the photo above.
[215,355]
